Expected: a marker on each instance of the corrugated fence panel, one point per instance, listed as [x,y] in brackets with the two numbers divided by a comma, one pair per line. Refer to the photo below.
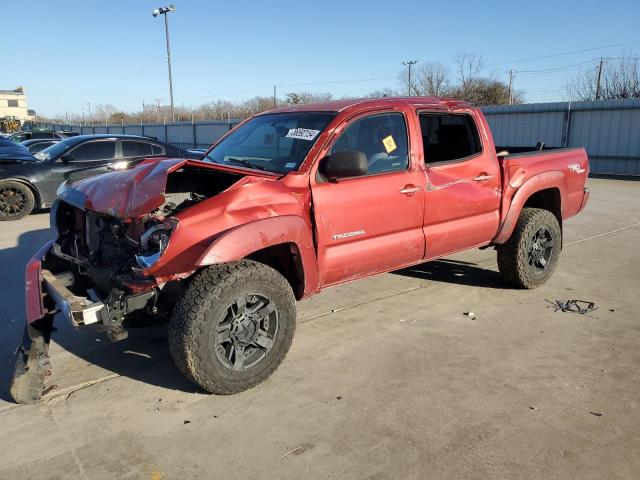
[608,129]
[526,129]
[133,130]
[155,131]
[611,137]
[181,136]
[207,133]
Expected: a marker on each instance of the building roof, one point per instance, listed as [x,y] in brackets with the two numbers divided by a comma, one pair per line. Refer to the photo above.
[15,91]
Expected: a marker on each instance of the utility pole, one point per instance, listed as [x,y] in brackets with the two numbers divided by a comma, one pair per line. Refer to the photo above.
[158,108]
[599,78]
[89,105]
[409,63]
[274,96]
[511,87]
[164,11]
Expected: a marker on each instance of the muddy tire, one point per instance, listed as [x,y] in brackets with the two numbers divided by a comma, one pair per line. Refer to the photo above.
[16,200]
[233,326]
[530,256]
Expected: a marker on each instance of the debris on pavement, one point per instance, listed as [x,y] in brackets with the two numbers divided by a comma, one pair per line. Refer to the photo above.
[573,306]
[470,314]
[597,414]
[186,421]
[339,397]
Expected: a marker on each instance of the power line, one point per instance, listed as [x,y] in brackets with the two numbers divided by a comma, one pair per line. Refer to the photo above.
[557,69]
[563,54]
[334,82]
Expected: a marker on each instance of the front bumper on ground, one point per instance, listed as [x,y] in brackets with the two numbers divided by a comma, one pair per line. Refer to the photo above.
[48,294]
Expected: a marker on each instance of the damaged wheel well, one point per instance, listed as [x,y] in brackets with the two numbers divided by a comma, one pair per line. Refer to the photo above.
[285,258]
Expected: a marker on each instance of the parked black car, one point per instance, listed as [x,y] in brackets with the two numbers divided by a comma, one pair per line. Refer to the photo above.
[40,134]
[38,144]
[28,182]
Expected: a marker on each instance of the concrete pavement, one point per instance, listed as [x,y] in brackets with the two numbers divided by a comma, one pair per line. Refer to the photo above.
[386,378]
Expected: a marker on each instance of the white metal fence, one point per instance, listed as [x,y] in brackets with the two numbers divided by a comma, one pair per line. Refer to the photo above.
[608,129]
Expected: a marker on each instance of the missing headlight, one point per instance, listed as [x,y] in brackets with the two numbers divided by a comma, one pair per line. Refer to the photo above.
[154,242]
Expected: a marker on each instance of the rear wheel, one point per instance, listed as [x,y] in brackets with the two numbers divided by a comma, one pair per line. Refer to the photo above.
[530,256]
[233,326]
[16,200]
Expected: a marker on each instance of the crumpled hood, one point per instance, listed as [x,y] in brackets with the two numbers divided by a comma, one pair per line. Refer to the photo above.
[134,192]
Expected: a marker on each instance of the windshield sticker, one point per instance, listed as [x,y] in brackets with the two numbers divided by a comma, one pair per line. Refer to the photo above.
[302,133]
[290,165]
[389,144]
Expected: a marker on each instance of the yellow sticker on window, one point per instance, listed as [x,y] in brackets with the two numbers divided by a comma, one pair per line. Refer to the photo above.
[389,144]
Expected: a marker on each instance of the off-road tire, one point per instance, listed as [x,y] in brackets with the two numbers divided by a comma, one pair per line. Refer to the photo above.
[195,318]
[513,256]
[27,200]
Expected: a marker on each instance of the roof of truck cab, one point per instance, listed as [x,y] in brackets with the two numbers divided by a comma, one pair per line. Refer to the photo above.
[340,105]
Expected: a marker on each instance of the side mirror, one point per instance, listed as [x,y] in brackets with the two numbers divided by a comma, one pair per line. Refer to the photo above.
[344,164]
[66,158]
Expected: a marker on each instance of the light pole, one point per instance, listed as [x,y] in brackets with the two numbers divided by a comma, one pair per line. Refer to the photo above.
[89,105]
[155,13]
[409,63]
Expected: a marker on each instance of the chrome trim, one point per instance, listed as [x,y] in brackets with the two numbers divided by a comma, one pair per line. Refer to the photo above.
[77,310]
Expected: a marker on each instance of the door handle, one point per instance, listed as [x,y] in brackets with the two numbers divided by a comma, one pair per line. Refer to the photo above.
[482,177]
[410,190]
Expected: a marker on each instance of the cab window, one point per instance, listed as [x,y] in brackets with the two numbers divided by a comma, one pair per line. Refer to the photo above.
[382,138]
[447,137]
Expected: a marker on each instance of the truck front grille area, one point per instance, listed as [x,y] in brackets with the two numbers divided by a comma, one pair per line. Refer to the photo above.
[101,247]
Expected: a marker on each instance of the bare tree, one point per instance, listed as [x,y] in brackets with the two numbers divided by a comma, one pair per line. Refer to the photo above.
[620,79]
[432,79]
[385,92]
[307,97]
[469,66]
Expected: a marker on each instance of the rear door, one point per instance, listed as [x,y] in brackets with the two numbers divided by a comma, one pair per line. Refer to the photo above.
[134,151]
[462,202]
[371,223]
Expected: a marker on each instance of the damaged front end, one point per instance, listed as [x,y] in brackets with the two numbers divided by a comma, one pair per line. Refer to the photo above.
[96,272]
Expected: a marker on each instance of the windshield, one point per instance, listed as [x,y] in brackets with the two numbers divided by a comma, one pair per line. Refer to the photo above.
[55,150]
[276,142]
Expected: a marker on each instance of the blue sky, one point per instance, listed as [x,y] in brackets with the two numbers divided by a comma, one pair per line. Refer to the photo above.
[73,52]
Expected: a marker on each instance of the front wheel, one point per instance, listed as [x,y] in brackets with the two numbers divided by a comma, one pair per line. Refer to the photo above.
[530,256]
[233,326]
[16,200]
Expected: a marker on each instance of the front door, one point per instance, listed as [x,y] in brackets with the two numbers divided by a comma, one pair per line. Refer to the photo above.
[371,223]
[462,202]
[80,162]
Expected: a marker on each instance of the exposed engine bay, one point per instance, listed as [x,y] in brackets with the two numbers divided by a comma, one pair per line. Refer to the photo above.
[99,260]
[113,252]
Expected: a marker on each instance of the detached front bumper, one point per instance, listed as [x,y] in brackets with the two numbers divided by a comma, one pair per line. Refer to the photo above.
[32,364]
[48,292]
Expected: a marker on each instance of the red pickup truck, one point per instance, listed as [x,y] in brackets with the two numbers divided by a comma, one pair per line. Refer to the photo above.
[288,203]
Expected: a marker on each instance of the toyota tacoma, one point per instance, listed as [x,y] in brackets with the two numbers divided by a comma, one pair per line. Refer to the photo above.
[288,203]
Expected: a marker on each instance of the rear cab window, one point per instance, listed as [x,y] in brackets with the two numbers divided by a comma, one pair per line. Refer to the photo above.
[448,137]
